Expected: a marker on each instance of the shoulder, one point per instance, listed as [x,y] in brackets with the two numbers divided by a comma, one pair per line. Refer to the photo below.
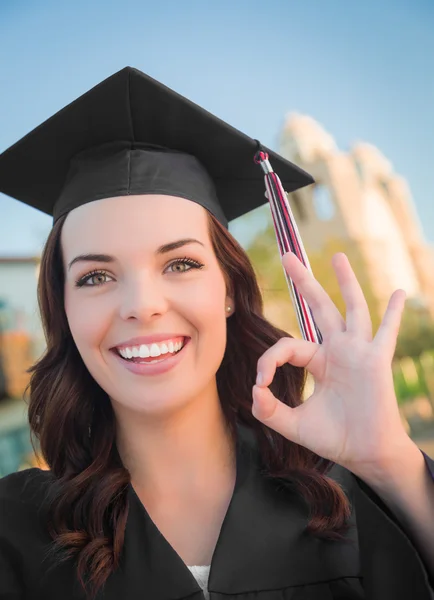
[23,519]
[25,488]
[24,535]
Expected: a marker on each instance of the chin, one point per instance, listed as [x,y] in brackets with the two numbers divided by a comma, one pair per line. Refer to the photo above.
[151,403]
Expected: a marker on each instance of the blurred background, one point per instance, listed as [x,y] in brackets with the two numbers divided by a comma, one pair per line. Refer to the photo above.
[345,90]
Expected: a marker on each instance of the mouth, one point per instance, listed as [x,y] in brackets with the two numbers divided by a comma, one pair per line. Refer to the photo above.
[152,353]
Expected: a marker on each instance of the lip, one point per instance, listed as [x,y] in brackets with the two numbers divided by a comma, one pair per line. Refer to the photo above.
[149,339]
[152,368]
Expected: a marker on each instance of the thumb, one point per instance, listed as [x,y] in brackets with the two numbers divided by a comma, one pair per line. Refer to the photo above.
[275,414]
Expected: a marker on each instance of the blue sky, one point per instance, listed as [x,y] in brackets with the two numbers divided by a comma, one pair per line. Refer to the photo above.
[365,71]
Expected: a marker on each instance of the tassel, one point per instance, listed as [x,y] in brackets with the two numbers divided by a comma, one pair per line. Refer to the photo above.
[288,240]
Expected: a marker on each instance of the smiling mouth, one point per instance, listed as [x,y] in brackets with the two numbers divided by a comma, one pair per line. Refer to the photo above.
[151,359]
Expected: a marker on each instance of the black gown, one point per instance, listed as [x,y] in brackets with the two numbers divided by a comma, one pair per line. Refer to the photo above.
[261,554]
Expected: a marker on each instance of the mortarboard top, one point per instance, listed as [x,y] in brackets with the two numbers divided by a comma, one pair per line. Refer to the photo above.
[132,135]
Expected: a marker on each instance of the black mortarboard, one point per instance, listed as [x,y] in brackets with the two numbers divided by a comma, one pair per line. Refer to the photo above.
[132,135]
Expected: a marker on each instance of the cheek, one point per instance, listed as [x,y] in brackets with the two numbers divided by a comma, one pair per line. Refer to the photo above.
[206,311]
[207,301]
[88,323]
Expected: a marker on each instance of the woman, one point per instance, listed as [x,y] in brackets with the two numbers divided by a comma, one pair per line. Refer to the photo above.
[165,480]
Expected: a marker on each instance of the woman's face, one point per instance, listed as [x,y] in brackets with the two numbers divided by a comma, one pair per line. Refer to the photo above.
[156,284]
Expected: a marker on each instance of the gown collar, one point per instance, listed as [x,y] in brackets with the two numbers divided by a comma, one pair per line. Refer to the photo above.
[261,545]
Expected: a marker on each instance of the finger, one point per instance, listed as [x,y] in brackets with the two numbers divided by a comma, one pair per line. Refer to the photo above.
[273,413]
[325,313]
[287,350]
[387,333]
[358,319]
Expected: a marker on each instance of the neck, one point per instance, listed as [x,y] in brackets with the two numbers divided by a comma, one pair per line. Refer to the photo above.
[178,454]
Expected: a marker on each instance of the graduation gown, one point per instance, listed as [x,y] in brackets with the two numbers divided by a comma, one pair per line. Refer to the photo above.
[262,552]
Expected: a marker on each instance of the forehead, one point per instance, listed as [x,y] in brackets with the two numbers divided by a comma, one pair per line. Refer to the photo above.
[150,220]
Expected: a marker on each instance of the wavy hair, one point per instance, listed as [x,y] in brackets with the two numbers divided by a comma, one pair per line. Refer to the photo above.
[73,423]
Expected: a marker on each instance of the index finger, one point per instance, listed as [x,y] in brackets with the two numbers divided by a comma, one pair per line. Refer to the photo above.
[298,353]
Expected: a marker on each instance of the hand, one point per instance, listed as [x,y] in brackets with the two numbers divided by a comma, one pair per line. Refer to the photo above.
[352,417]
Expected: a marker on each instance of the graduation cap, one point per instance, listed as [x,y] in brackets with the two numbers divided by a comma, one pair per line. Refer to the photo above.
[132,135]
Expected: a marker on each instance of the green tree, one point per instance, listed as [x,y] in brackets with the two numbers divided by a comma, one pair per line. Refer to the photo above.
[416,332]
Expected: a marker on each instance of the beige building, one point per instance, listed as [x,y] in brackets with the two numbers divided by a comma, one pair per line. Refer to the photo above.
[360,206]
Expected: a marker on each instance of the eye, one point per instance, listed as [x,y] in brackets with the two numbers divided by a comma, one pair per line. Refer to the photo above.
[93,275]
[99,277]
[182,265]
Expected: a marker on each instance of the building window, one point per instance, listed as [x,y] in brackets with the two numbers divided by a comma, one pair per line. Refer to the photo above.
[359,169]
[298,207]
[384,187]
[323,203]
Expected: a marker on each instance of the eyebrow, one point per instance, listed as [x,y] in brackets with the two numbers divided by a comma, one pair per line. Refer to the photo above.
[106,258]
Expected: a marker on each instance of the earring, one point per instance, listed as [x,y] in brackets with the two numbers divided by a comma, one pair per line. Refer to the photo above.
[228,309]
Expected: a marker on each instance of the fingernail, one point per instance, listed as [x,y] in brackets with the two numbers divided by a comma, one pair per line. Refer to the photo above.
[259,379]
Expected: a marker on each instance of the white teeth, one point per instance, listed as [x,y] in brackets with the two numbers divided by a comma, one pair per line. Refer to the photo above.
[145,351]
[155,350]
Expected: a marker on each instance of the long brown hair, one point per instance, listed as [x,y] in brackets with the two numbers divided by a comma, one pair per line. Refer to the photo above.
[73,423]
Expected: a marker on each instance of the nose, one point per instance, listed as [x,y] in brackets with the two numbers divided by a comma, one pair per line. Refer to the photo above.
[143,298]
